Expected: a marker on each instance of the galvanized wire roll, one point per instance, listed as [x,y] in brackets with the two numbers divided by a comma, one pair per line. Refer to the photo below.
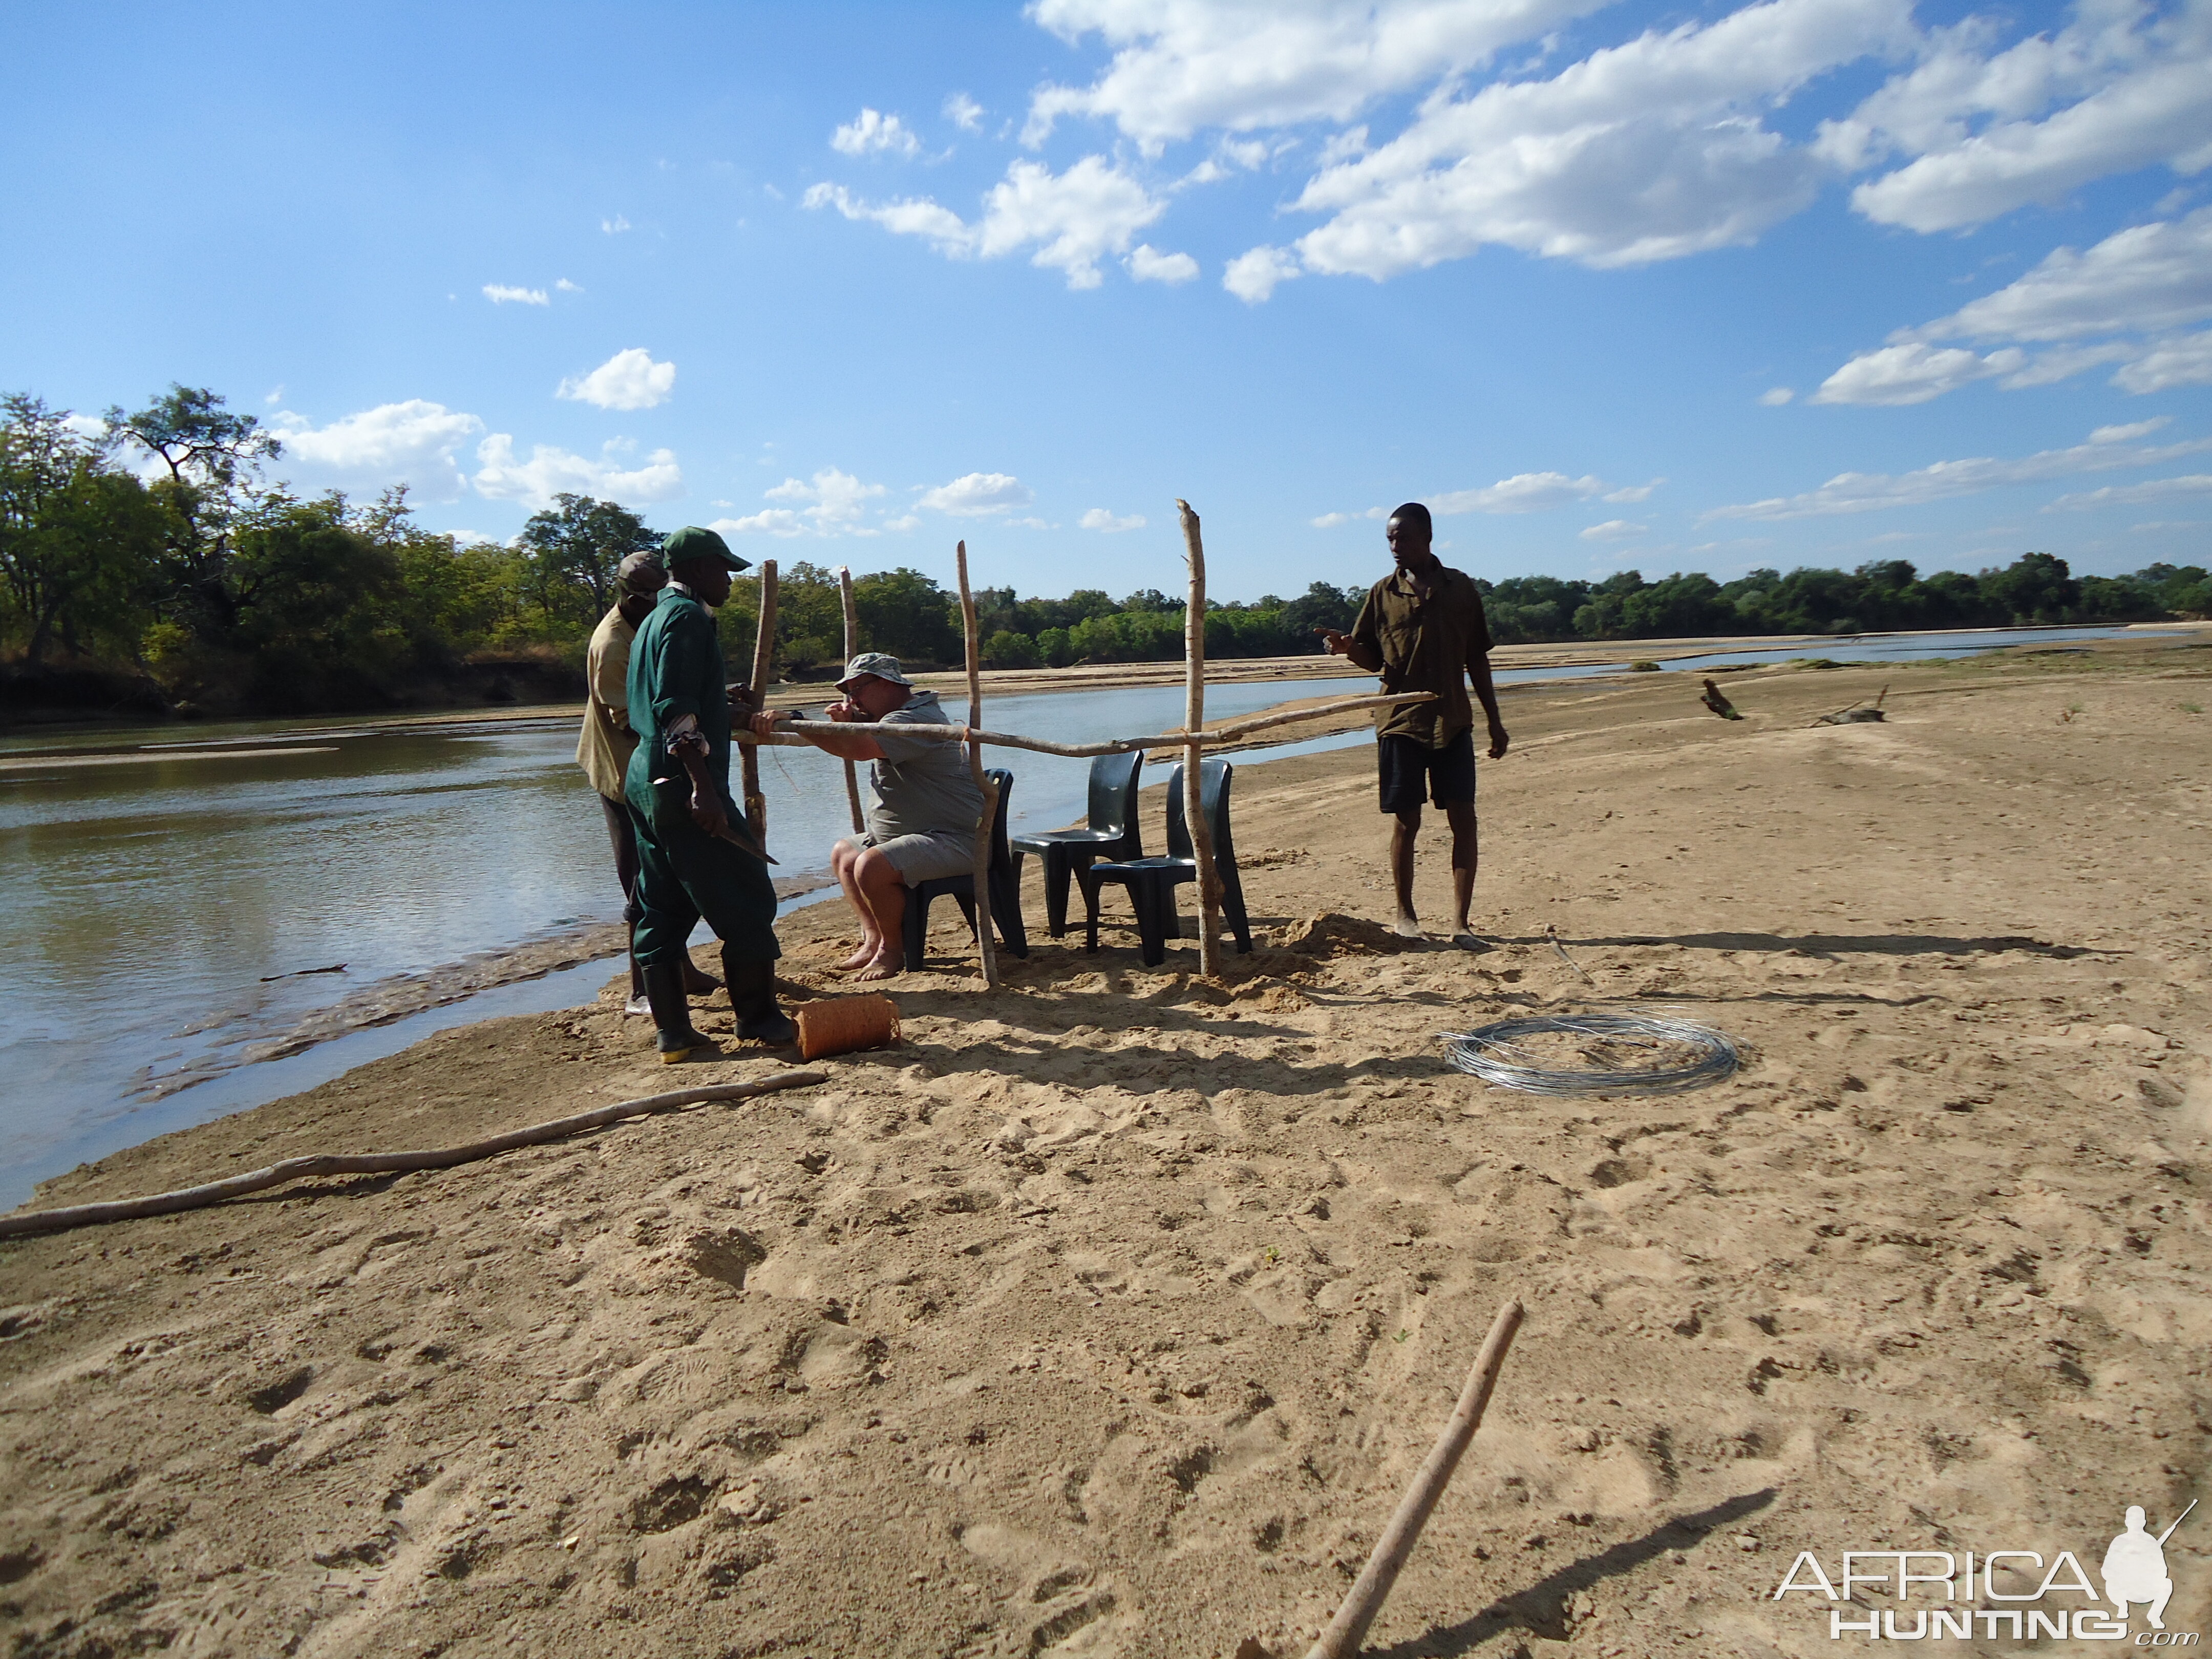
[1496,1054]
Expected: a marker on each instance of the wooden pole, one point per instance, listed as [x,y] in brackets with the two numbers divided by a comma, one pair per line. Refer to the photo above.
[1342,1639]
[763,658]
[794,731]
[445,1157]
[1193,722]
[983,785]
[852,650]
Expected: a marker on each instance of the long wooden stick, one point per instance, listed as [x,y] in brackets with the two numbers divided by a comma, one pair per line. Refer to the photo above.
[764,659]
[852,650]
[1194,720]
[1234,732]
[984,787]
[444,1158]
[1345,1632]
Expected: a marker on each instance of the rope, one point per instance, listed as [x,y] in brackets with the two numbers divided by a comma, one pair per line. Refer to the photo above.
[1496,1054]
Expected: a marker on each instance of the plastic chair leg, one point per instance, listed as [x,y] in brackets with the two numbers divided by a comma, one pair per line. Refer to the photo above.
[1232,907]
[915,943]
[1006,912]
[1056,870]
[1154,902]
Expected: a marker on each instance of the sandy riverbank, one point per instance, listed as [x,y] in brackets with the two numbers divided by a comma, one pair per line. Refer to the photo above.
[1110,1315]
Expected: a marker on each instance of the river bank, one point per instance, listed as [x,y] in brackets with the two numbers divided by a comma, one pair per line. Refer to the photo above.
[1110,1314]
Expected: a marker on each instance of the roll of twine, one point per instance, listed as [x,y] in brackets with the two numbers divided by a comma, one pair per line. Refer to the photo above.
[842,1024]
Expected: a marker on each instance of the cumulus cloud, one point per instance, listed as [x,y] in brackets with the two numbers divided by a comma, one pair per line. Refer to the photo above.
[1099,519]
[1865,492]
[628,379]
[1613,530]
[614,227]
[550,471]
[1330,520]
[1072,219]
[412,443]
[833,502]
[1902,375]
[2121,86]
[1147,263]
[2184,361]
[1181,65]
[1252,276]
[500,295]
[978,494]
[1524,492]
[963,113]
[873,133]
[1775,397]
[2156,489]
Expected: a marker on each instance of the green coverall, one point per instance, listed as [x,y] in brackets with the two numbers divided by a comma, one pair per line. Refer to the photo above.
[684,873]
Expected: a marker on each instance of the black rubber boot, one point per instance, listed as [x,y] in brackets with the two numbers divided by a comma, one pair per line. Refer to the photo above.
[673,1039]
[752,1000]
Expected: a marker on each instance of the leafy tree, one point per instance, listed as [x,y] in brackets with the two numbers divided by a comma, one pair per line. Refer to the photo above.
[1008,649]
[79,542]
[908,615]
[2036,587]
[571,551]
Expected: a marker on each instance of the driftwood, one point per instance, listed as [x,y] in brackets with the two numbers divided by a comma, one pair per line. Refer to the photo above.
[985,952]
[1344,1633]
[764,659]
[791,731]
[1194,720]
[1719,704]
[852,650]
[443,1157]
[1857,713]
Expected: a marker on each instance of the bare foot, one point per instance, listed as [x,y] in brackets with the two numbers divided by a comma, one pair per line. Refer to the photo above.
[870,948]
[886,965]
[1407,927]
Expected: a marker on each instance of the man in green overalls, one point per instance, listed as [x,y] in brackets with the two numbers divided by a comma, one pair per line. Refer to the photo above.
[696,856]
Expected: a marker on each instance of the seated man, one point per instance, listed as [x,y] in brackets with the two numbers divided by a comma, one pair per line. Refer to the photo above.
[923,805]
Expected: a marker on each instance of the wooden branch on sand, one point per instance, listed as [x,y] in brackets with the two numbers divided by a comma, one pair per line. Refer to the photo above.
[1221,736]
[444,1158]
[852,650]
[764,658]
[1342,1639]
[984,920]
[1194,720]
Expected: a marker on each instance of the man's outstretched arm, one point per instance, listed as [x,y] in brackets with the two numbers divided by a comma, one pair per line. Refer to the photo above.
[1485,693]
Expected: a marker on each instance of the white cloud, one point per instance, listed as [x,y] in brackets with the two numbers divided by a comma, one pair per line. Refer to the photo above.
[2156,489]
[1524,492]
[1181,65]
[978,493]
[628,379]
[1330,520]
[564,286]
[831,503]
[1099,519]
[91,428]
[904,521]
[1633,492]
[2120,88]
[1613,530]
[1073,218]
[2184,362]
[2130,432]
[1901,374]
[1148,264]
[770,521]
[500,295]
[614,227]
[550,471]
[412,443]
[1252,276]
[1651,150]
[1775,397]
[873,133]
[1864,492]
[963,113]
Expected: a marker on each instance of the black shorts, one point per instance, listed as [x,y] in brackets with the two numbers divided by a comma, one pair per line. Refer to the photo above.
[1405,763]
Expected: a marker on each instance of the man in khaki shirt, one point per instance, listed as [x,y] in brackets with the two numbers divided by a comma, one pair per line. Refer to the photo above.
[605,746]
[1423,629]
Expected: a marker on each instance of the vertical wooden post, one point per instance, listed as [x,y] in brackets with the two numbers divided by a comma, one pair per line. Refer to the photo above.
[1193,815]
[763,657]
[983,921]
[852,650]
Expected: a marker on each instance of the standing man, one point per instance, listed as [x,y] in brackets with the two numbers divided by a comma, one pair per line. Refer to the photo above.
[695,855]
[604,746]
[923,805]
[1423,629]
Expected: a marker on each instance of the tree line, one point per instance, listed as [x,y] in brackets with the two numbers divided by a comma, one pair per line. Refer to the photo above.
[149,543]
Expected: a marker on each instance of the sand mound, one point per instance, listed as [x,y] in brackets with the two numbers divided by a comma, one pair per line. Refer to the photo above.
[1329,933]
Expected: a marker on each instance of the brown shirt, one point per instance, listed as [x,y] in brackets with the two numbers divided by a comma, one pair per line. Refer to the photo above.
[604,746]
[1426,645]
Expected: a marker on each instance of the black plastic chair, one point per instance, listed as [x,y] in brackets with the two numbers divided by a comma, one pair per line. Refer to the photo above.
[1005,892]
[1113,834]
[1152,882]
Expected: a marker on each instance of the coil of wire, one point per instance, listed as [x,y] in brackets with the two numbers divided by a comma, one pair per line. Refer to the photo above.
[1499,1054]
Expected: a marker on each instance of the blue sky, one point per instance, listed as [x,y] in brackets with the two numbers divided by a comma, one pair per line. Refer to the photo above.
[1609,285]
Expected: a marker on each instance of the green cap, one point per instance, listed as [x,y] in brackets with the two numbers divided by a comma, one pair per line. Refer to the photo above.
[697,542]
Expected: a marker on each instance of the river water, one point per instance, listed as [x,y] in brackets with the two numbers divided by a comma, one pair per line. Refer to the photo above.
[199,920]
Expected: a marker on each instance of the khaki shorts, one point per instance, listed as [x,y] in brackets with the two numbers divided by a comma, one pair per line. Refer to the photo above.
[931,857]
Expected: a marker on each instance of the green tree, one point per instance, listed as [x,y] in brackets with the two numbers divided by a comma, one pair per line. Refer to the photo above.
[571,551]
[79,543]
[2036,587]
[908,615]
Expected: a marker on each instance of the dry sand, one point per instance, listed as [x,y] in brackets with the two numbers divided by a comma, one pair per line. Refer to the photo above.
[1109,1316]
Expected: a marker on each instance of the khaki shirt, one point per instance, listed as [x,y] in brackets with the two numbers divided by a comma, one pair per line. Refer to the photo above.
[602,748]
[922,786]
[1425,645]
